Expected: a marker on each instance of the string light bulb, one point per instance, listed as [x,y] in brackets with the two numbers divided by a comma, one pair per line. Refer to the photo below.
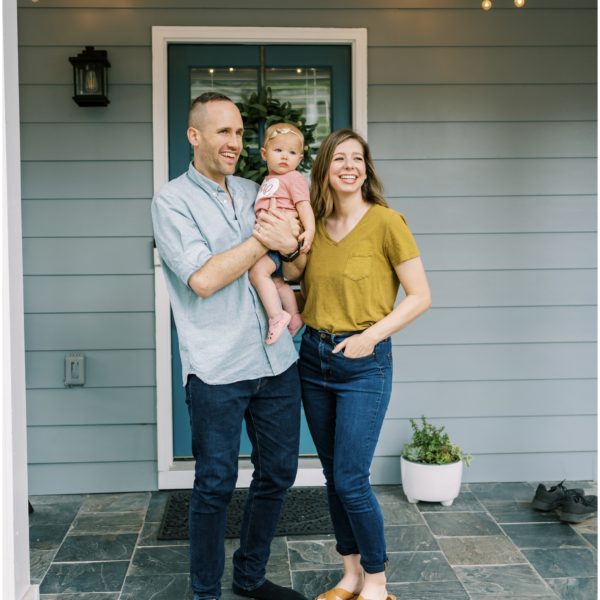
[519,3]
[486,4]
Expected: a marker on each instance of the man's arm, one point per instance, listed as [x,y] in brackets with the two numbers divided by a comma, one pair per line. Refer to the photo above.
[275,233]
[222,269]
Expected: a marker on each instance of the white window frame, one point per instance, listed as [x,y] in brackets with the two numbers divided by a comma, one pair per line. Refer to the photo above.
[180,474]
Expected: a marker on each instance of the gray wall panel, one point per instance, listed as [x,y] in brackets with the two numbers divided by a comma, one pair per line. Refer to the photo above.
[498,214]
[482,65]
[449,400]
[533,467]
[91,406]
[126,179]
[100,443]
[483,140]
[88,293]
[494,362]
[523,102]
[90,478]
[86,141]
[388,27]
[502,325]
[87,256]
[53,103]
[84,217]
[90,331]
[513,288]
[509,251]
[476,177]
[104,369]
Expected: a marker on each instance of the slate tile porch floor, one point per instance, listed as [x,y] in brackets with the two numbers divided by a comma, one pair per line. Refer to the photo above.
[490,545]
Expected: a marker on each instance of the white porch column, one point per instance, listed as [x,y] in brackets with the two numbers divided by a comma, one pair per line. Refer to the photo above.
[15,538]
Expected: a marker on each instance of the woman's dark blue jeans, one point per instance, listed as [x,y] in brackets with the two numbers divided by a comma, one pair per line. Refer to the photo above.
[271,409]
[345,401]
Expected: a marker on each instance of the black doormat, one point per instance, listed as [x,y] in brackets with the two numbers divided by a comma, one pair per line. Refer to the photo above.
[305,511]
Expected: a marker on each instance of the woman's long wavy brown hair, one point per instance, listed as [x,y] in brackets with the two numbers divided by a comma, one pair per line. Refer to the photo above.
[321,194]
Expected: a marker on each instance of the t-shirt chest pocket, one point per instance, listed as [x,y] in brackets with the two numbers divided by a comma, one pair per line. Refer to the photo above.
[359,264]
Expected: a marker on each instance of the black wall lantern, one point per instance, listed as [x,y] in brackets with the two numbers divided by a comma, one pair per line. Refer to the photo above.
[90,77]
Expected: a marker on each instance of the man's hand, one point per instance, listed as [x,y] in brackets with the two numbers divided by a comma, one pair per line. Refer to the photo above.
[276,231]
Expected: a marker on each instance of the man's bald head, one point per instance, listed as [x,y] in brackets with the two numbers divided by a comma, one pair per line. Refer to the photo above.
[196,112]
[216,134]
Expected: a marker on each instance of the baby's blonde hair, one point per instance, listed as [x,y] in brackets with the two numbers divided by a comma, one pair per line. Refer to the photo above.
[280,128]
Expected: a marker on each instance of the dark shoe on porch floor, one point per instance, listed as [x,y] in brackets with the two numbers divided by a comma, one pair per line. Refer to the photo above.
[578,508]
[549,499]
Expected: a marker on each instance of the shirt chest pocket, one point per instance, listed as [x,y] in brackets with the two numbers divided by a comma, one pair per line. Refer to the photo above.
[359,265]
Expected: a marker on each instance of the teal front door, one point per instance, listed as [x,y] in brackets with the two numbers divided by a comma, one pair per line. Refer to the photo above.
[315,78]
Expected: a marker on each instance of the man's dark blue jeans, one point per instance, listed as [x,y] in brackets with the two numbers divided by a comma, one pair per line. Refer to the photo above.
[271,408]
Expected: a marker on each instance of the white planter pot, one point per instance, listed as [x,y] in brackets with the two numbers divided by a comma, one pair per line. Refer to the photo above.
[431,483]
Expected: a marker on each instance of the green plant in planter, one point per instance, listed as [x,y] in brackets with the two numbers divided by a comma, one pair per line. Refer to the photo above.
[432,445]
[259,110]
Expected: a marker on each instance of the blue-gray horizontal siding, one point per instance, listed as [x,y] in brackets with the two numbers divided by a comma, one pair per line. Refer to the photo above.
[86,179]
[480,362]
[86,217]
[91,406]
[387,26]
[483,128]
[85,293]
[86,256]
[91,477]
[493,398]
[497,214]
[119,443]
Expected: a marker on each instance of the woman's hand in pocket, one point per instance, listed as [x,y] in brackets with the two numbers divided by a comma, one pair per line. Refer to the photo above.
[356,346]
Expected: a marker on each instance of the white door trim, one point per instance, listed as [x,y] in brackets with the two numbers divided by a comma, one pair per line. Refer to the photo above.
[170,474]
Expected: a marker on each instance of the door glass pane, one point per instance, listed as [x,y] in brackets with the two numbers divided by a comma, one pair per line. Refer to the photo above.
[231,81]
[308,88]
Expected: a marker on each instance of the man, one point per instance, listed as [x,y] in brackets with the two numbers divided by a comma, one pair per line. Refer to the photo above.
[207,239]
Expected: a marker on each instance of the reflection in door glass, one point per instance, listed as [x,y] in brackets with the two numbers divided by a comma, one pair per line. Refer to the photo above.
[308,89]
[231,81]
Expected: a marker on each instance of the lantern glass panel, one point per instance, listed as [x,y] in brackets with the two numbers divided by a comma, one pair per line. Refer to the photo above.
[91,79]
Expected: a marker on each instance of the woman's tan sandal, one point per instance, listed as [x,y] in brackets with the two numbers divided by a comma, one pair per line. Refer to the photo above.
[337,594]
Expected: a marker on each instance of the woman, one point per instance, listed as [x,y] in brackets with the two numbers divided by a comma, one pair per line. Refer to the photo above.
[362,251]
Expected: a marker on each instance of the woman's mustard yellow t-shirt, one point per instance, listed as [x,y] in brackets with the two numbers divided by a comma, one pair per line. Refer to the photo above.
[351,284]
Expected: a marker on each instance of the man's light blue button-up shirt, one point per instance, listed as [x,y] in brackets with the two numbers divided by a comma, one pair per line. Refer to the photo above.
[221,338]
